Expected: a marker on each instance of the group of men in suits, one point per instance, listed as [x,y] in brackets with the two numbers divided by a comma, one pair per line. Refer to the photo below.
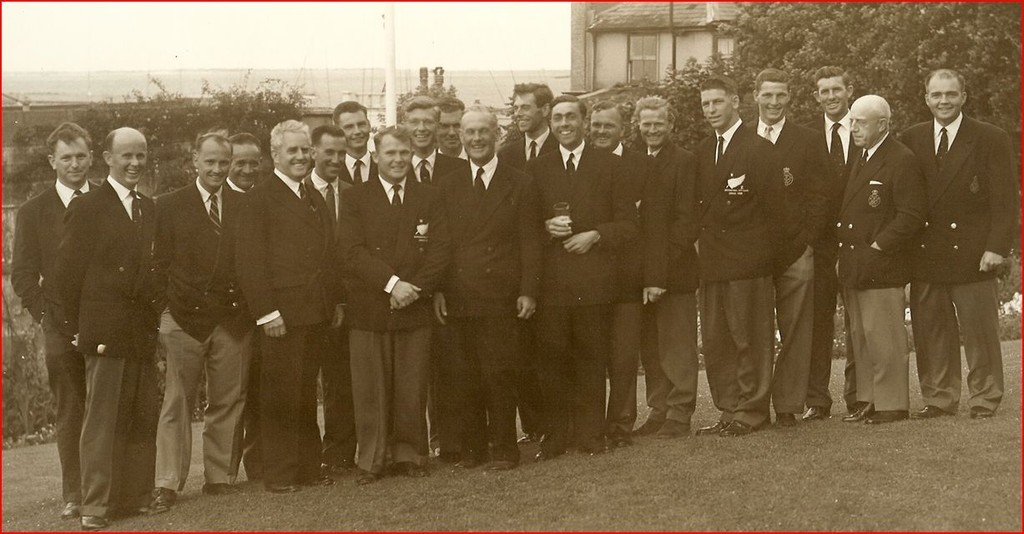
[487,281]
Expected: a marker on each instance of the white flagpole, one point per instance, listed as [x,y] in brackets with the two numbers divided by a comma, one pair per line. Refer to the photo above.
[390,94]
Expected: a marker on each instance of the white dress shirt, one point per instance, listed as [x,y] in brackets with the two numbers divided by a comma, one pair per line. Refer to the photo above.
[540,142]
[124,194]
[951,131]
[292,184]
[389,190]
[232,186]
[762,128]
[578,151]
[350,163]
[727,138]
[321,185]
[66,193]
[488,168]
[844,133]
[874,147]
[618,150]
[416,160]
[206,195]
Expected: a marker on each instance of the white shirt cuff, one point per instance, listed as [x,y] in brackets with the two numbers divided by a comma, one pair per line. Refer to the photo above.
[268,317]
[391,284]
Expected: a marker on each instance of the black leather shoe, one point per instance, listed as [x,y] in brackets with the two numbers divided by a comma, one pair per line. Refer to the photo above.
[71,510]
[163,499]
[713,429]
[855,407]
[544,456]
[532,437]
[785,419]
[673,429]
[220,489]
[319,480]
[365,477]
[649,427]
[93,522]
[886,416]
[860,414]
[978,412]
[929,412]
[815,413]
[736,429]
[283,488]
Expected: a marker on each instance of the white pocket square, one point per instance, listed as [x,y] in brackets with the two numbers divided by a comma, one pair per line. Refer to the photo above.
[735,182]
[875,182]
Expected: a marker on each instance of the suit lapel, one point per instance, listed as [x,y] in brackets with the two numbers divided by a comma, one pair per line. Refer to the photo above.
[859,176]
[198,211]
[407,215]
[499,188]
[298,206]
[955,159]
[578,188]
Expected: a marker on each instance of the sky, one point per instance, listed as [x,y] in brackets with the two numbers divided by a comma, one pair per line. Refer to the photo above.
[98,36]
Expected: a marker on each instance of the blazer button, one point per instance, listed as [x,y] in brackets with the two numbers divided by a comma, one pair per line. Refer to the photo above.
[926,224]
[839,224]
[922,245]
[723,230]
[840,244]
[728,203]
[953,226]
[956,247]
[120,269]
[850,226]
[196,308]
[231,290]
[851,247]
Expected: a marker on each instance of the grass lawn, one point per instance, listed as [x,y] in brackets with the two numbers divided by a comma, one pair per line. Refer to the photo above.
[953,473]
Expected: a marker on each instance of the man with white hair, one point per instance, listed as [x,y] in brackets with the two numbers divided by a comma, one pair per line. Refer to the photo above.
[290,274]
[881,213]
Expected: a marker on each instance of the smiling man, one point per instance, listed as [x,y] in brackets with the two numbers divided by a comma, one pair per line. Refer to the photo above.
[421,119]
[351,117]
[206,325]
[449,126]
[531,108]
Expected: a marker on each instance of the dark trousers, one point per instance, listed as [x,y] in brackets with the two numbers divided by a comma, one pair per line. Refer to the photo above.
[675,326]
[528,394]
[290,433]
[442,402]
[739,343]
[65,372]
[118,444]
[941,313]
[484,357]
[247,436]
[624,357]
[339,441]
[826,289]
[575,342]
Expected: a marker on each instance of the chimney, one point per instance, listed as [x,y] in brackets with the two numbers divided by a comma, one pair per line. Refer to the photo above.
[439,77]
[423,78]
[710,6]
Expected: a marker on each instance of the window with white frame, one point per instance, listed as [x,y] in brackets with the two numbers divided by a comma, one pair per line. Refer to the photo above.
[643,57]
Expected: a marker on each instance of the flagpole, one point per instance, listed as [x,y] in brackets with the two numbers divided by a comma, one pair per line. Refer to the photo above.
[390,94]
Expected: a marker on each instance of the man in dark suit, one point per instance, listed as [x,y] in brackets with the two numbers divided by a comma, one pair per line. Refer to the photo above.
[350,116]
[205,329]
[833,91]
[882,212]
[395,244]
[339,440]
[607,126]
[805,169]
[972,225]
[670,269]
[246,158]
[531,108]
[449,124]
[589,216]
[103,279]
[421,118]
[743,227]
[38,232]
[288,270]
[493,280]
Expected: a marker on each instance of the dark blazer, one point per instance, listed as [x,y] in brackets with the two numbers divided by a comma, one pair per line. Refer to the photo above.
[514,153]
[836,184]
[195,265]
[443,165]
[599,200]
[669,215]
[379,241]
[339,188]
[972,202]
[103,275]
[286,258]
[347,176]
[884,202]
[806,180]
[635,170]
[743,230]
[496,243]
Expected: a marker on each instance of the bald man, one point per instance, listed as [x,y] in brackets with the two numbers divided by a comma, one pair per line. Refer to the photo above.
[104,281]
[881,213]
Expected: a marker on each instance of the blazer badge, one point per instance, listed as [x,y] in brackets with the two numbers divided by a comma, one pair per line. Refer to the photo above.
[787,177]
[975,186]
[874,199]
[422,227]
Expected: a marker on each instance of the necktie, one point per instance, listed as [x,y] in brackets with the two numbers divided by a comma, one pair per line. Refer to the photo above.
[214,213]
[77,193]
[396,197]
[358,172]
[478,183]
[940,154]
[836,150]
[332,209]
[136,208]
[424,173]
[533,149]
[720,149]
[570,165]
[302,191]
[652,156]
[768,133]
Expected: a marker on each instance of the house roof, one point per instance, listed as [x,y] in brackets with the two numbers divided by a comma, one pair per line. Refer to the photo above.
[655,15]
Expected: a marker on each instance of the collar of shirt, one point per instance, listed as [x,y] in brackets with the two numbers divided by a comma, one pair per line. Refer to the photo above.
[654,153]
[389,189]
[727,135]
[123,194]
[464,155]
[66,193]
[951,130]
[488,168]
[292,184]
[206,194]
[231,185]
[871,151]
[319,183]
[430,163]
[539,139]
[350,162]
[565,153]
[844,124]
[618,150]
[776,129]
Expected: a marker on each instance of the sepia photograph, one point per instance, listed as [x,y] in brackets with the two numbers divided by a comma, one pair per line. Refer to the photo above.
[511,266]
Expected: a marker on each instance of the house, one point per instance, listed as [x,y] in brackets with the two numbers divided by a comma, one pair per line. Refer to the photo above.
[629,41]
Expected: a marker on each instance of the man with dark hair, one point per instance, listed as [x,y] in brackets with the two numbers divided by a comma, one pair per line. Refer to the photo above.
[421,118]
[246,158]
[449,121]
[972,225]
[805,171]
[395,245]
[583,201]
[670,271]
[103,278]
[339,439]
[289,272]
[351,117]
[205,330]
[531,108]
[832,91]
[743,226]
[38,232]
